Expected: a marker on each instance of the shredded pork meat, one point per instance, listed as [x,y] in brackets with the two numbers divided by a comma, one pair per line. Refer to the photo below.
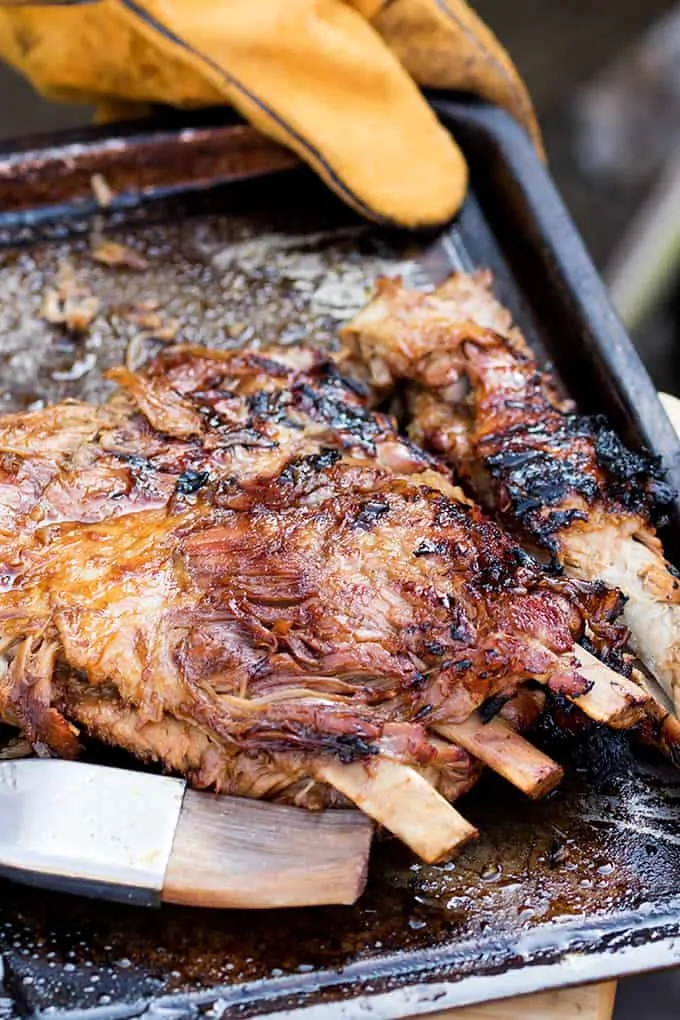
[237,569]
[563,483]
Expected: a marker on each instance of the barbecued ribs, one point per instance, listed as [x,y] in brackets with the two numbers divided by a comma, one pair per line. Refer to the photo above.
[234,568]
[562,482]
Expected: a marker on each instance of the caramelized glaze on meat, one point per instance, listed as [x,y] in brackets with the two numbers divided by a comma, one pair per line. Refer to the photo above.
[235,568]
[562,482]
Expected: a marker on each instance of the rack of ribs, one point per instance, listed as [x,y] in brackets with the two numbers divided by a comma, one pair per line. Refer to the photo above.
[561,482]
[235,568]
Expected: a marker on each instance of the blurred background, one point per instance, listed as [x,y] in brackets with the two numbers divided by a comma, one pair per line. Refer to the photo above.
[605,78]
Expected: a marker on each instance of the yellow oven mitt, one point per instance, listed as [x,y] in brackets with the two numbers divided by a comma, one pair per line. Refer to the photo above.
[333,79]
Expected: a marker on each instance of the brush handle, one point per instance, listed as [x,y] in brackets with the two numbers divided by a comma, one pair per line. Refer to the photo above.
[234,852]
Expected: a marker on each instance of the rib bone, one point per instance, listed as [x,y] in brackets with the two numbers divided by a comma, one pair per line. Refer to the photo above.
[404,802]
[564,482]
[506,752]
[612,699]
[652,610]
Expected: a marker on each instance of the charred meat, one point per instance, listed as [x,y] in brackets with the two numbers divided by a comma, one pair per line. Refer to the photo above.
[236,569]
[562,482]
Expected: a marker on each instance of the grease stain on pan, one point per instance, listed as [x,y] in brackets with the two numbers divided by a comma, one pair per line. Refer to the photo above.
[226,284]
[74,953]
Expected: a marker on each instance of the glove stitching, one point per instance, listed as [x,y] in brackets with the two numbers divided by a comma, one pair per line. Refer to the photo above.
[143,14]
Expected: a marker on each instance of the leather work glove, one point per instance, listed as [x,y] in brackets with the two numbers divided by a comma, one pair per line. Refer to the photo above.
[335,80]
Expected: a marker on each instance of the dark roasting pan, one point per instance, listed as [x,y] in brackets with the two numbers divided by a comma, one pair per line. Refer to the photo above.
[242,244]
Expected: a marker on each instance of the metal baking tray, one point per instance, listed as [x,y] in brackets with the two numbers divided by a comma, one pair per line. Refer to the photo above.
[582,886]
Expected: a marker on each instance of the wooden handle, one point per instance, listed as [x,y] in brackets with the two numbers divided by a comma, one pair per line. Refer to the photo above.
[234,852]
[587,1002]
[612,699]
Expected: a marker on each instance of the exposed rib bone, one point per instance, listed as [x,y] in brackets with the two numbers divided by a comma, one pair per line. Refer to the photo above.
[663,730]
[474,395]
[404,802]
[652,610]
[612,699]
[506,752]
